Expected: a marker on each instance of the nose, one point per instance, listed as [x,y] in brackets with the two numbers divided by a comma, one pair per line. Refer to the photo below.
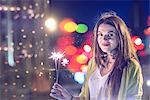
[107,37]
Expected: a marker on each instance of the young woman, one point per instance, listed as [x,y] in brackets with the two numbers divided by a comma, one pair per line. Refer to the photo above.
[114,72]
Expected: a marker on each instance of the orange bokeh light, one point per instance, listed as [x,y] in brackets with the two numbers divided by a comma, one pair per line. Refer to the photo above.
[74,66]
[68,26]
[84,68]
[82,59]
[70,50]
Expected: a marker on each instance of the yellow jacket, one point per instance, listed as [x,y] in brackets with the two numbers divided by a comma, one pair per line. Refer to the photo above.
[131,82]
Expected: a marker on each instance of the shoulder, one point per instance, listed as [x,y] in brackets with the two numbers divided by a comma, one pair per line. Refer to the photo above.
[134,67]
[91,67]
[91,60]
[134,64]
[91,63]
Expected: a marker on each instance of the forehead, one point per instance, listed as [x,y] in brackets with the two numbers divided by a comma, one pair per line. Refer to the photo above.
[106,28]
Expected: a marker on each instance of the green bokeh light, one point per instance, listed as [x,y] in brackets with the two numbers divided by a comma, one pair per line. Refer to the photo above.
[82,28]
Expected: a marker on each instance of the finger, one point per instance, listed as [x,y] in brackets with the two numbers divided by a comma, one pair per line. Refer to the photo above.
[56,96]
[56,91]
[58,85]
[60,88]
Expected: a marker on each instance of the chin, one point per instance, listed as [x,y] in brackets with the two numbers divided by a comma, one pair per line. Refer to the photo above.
[106,50]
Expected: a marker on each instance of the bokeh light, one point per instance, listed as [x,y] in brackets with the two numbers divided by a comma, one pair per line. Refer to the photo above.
[139,47]
[82,59]
[50,23]
[70,50]
[67,26]
[70,26]
[84,68]
[142,53]
[79,77]
[87,48]
[137,43]
[64,41]
[74,66]
[148,82]
[82,28]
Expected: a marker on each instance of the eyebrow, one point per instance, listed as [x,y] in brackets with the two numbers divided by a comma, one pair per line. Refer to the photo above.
[107,32]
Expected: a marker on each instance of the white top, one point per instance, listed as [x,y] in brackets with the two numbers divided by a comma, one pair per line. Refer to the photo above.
[97,85]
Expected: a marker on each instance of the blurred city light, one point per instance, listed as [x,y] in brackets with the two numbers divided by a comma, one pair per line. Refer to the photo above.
[64,41]
[70,50]
[70,26]
[67,26]
[84,68]
[137,42]
[139,47]
[82,28]
[82,59]
[51,24]
[87,48]
[148,82]
[79,77]
[74,66]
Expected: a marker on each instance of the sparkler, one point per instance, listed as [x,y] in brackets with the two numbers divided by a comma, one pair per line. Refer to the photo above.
[65,62]
[57,57]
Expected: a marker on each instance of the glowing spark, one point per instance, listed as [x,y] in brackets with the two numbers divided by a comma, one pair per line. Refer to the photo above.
[65,62]
[56,55]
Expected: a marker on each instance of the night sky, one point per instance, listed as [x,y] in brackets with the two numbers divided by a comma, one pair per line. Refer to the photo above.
[88,11]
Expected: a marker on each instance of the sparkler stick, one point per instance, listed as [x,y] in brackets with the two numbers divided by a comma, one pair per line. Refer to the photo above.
[57,71]
[57,56]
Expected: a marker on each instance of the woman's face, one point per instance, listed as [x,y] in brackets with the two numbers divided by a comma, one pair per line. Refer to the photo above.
[107,38]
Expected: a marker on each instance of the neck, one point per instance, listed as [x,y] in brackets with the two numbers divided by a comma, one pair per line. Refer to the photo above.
[112,54]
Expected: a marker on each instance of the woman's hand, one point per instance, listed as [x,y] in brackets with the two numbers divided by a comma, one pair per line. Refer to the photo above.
[60,93]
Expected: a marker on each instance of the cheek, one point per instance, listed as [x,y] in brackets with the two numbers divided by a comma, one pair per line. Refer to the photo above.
[114,43]
[99,41]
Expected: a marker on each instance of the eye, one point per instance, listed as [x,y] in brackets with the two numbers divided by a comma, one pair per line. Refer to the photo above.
[111,34]
[100,34]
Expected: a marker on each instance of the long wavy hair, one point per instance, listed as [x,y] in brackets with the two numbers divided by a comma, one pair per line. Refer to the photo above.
[125,50]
